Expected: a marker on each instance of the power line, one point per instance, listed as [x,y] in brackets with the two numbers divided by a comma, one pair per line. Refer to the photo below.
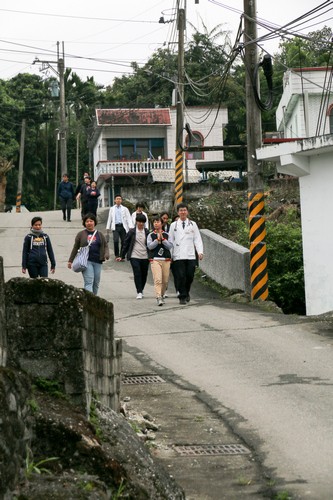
[87,18]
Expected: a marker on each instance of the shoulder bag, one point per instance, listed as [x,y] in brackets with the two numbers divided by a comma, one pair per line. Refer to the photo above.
[80,263]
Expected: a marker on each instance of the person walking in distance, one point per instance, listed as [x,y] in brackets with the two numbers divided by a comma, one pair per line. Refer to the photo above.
[135,246]
[66,196]
[185,237]
[93,194]
[36,247]
[83,196]
[160,258]
[139,207]
[119,222]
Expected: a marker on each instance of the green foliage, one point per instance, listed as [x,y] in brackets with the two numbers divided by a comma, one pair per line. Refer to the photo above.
[93,418]
[33,405]
[52,387]
[284,261]
[119,493]
[32,467]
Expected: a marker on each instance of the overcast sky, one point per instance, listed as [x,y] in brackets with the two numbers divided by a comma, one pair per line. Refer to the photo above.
[105,36]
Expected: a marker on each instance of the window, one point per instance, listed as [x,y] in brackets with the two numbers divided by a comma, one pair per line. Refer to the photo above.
[134,149]
[196,140]
[112,149]
[157,148]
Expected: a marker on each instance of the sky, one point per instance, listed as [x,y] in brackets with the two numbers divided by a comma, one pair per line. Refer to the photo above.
[101,39]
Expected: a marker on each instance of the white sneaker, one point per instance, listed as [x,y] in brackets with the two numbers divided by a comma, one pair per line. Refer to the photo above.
[139,296]
[159,301]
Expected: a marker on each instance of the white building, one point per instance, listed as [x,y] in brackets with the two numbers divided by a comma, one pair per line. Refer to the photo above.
[305,112]
[306,105]
[127,143]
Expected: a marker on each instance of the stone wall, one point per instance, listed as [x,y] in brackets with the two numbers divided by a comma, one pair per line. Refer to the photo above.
[58,332]
[14,432]
[3,338]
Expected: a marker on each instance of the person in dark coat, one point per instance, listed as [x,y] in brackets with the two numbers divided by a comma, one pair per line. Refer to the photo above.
[83,196]
[66,196]
[36,247]
[93,195]
[135,247]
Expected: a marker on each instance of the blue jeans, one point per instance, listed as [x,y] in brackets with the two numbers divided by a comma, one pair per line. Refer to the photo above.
[92,277]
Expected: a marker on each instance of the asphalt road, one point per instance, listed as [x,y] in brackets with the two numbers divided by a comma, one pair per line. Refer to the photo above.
[270,375]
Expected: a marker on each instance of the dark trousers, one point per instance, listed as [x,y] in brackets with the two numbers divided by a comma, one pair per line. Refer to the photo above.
[36,270]
[118,234]
[140,272]
[66,206]
[84,207]
[183,271]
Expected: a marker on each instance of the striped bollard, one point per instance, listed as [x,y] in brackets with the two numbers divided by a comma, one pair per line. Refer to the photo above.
[258,256]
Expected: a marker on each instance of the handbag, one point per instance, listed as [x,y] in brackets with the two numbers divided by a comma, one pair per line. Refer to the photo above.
[80,263]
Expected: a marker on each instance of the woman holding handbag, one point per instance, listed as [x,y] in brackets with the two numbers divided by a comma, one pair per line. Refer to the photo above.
[98,252]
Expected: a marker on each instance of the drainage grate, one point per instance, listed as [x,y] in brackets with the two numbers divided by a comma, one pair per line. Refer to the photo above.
[211,449]
[143,379]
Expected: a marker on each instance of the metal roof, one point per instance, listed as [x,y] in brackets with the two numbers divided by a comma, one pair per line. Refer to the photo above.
[149,116]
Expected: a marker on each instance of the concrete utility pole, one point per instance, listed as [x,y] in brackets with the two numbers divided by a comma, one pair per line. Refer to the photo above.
[179,177]
[256,205]
[20,172]
[62,102]
[63,128]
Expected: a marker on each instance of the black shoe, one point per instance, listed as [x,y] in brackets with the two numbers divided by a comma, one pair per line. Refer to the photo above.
[68,220]
[188,298]
[182,302]
[64,218]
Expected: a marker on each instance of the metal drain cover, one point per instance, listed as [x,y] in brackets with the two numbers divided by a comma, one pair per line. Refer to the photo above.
[211,449]
[143,379]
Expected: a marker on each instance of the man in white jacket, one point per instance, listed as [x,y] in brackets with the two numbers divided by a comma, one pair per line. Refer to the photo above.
[119,222]
[187,243]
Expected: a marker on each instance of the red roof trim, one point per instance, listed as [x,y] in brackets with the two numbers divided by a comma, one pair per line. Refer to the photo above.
[149,116]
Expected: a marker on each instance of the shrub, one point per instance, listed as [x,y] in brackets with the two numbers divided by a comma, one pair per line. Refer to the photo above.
[284,261]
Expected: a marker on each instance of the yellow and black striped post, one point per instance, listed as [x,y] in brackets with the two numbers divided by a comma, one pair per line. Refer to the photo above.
[18,201]
[179,177]
[258,257]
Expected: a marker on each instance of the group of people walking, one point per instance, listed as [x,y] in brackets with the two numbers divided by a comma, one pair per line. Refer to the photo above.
[176,246]
[86,193]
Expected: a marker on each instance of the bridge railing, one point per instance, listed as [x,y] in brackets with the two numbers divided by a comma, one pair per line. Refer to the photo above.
[131,167]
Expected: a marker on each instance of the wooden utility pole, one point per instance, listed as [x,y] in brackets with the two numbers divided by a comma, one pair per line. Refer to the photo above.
[20,172]
[179,177]
[256,205]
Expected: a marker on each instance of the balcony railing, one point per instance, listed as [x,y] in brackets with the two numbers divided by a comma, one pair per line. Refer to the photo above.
[131,167]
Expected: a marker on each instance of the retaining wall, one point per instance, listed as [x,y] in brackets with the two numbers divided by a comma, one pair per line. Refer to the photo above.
[58,332]
[226,262]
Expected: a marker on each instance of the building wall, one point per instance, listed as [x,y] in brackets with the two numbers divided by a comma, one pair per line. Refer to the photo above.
[317,208]
[313,84]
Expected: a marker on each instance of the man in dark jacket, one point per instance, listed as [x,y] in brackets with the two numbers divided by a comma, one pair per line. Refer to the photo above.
[66,196]
[135,246]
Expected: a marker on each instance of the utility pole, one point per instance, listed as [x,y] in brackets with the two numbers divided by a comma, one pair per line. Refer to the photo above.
[256,205]
[63,129]
[60,71]
[20,172]
[179,176]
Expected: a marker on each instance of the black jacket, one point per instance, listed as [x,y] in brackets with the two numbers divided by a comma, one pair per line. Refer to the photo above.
[127,247]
